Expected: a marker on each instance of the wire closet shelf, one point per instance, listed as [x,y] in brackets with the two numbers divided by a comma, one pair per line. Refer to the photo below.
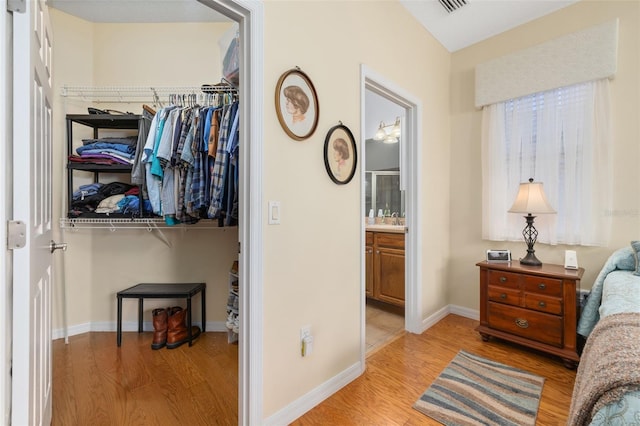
[202,94]
[149,224]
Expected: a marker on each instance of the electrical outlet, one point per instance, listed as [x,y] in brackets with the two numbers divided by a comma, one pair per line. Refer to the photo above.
[306,341]
[307,346]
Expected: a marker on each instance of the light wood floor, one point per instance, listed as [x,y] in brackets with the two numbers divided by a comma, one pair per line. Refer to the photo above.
[95,383]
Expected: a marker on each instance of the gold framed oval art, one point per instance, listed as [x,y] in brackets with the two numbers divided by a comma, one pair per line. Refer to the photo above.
[297,104]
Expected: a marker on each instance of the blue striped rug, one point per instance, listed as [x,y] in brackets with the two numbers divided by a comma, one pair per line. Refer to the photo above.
[476,391]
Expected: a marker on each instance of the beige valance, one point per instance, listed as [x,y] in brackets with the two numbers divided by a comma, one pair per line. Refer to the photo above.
[586,55]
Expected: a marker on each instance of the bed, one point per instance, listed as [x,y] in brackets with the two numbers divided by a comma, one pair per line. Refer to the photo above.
[607,387]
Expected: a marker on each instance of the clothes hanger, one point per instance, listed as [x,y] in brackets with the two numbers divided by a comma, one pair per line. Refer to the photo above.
[149,109]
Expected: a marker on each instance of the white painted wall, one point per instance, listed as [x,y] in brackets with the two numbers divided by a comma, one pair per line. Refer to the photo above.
[312,260]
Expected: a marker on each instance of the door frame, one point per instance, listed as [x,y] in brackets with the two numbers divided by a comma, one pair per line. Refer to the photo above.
[6,194]
[250,16]
[410,153]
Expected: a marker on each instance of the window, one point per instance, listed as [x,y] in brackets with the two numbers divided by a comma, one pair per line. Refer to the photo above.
[559,137]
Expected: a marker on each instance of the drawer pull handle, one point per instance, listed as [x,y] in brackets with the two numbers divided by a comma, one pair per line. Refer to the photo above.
[542,304]
[522,323]
[503,296]
[542,286]
[503,279]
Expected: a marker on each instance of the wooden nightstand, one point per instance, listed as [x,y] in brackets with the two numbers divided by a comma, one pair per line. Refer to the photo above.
[535,306]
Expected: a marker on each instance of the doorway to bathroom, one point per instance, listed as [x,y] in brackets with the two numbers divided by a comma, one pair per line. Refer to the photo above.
[390,210]
[384,205]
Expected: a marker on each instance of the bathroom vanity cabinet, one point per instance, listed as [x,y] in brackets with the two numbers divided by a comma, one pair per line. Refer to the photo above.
[384,254]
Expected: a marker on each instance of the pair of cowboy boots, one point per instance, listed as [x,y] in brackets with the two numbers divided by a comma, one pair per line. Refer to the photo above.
[170,328]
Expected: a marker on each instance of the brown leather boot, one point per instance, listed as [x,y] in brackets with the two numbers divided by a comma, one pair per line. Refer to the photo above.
[159,328]
[177,333]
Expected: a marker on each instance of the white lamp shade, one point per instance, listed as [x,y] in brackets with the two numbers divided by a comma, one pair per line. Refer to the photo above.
[380,133]
[531,199]
[395,131]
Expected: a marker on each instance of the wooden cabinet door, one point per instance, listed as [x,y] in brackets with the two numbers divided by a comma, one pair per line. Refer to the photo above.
[389,273]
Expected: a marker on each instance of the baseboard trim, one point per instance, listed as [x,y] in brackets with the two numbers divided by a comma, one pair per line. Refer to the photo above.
[432,319]
[306,402]
[473,314]
[110,326]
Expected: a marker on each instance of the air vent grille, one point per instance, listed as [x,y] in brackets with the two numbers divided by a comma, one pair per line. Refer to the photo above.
[451,5]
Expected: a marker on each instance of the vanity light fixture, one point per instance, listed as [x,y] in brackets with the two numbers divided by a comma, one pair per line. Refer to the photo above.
[388,136]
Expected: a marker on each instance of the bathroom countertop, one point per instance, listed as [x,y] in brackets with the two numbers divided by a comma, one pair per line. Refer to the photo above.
[396,229]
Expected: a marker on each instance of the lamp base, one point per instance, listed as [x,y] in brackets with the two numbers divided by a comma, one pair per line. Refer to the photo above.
[530,259]
[530,236]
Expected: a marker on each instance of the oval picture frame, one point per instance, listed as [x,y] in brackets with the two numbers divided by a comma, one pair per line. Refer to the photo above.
[297,104]
[340,155]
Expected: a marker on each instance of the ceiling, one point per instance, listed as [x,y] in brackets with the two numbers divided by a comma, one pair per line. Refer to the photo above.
[478,19]
[475,21]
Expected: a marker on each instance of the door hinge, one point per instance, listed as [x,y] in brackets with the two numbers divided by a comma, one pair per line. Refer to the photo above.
[19,6]
[239,247]
[16,234]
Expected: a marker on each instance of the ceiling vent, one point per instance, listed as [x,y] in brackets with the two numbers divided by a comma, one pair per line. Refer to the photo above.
[452,5]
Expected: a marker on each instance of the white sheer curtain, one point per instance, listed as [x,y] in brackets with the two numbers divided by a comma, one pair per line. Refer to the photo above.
[562,138]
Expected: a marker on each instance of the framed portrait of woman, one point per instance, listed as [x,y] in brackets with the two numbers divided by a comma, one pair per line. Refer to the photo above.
[297,104]
[340,156]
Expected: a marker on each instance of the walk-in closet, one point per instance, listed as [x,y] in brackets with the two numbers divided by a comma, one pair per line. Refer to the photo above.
[128,67]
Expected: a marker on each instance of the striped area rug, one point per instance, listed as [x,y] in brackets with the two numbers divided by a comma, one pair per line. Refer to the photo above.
[476,391]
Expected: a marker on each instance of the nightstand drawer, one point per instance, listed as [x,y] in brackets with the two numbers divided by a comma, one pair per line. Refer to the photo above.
[542,285]
[531,325]
[504,279]
[551,305]
[503,295]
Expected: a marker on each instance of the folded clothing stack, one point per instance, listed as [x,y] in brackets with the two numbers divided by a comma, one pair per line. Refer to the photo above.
[109,150]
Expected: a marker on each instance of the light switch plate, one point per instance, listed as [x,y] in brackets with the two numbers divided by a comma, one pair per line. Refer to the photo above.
[274,213]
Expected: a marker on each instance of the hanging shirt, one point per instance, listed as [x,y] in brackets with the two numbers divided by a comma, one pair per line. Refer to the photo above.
[137,171]
[153,184]
[219,168]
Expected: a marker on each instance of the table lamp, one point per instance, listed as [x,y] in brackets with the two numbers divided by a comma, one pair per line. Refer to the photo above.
[532,201]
